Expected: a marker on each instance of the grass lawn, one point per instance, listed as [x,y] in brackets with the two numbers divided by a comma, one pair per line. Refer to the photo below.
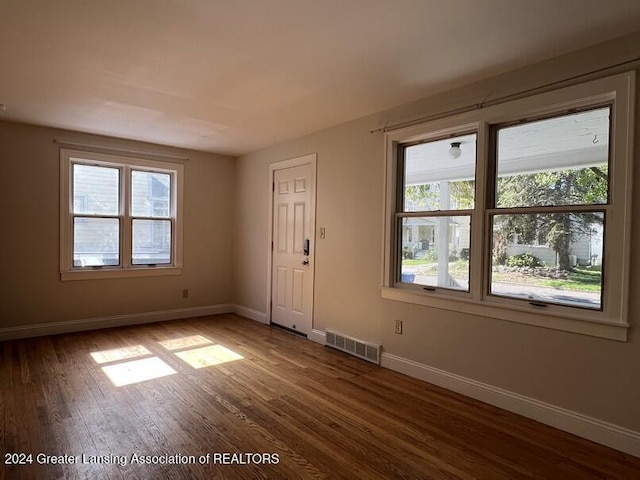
[429,267]
[419,261]
[580,279]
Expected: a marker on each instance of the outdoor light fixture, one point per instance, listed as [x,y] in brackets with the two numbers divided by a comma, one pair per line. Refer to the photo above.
[455,151]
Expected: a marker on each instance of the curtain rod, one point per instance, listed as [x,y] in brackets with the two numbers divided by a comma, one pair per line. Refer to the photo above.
[635,62]
[116,150]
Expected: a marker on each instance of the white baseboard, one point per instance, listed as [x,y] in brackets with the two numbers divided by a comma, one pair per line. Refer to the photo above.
[53,328]
[250,313]
[317,336]
[592,429]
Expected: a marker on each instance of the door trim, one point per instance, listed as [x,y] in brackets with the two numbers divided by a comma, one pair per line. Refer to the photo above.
[311,159]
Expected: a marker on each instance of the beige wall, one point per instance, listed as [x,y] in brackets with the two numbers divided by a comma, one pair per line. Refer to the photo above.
[32,292]
[226,212]
[599,378]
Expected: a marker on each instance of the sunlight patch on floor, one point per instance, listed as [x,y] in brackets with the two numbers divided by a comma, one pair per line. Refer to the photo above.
[208,356]
[137,371]
[105,356]
[185,342]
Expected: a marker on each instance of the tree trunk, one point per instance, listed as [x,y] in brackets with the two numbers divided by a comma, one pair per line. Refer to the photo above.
[561,240]
[562,247]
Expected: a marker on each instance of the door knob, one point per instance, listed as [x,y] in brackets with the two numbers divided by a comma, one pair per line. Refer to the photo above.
[305,262]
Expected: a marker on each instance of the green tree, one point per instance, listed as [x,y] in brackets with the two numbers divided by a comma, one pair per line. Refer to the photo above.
[426,196]
[562,187]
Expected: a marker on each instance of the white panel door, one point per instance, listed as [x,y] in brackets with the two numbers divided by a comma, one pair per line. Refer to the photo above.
[292,256]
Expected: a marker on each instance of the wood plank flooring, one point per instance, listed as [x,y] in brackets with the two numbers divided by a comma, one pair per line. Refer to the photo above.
[317,412]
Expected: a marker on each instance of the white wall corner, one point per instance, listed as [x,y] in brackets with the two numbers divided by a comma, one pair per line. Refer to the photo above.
[317,336]
[583,426]
[250,313]
[54,328]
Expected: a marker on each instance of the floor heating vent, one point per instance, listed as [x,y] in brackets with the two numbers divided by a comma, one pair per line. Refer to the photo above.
[365,350]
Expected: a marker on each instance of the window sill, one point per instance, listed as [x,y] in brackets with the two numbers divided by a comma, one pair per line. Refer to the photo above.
[90,274]
[512,313]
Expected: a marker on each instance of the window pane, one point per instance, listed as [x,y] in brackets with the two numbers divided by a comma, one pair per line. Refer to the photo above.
[554,258]
[558,161]
[435,251]
[96,190]
[151,242]
[150,194]
[96,241]
[440,175]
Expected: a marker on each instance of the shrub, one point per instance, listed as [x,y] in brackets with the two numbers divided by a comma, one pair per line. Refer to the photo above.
[500,257]
[431,256]
[523,260]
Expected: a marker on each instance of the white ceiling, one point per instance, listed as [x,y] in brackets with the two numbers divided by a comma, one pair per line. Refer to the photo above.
[235,76]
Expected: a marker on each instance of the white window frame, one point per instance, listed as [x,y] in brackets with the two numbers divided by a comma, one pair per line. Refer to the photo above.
[612,321]
[125,164]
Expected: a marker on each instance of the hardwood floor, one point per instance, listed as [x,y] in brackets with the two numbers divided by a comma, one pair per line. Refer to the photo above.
[317,412]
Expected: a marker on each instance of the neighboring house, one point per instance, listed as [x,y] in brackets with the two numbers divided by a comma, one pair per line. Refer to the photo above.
[585,250]
[420,235]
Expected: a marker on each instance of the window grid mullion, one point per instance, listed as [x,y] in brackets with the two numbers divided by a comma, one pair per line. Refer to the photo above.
[147,217]
[599,207]
[436,213]
[478,264]
[83,215]
[125,238]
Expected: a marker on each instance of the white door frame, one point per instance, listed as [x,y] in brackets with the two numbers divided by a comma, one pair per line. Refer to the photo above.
[311,159]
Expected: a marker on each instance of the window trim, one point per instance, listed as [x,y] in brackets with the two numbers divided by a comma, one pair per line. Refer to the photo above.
[612,323]
[126,165]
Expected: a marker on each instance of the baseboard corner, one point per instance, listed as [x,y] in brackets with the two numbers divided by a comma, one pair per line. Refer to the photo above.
[250,313]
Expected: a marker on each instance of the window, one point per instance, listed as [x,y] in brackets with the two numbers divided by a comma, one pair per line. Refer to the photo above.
[119,216]
[519,211]
[552,185]
[437,206]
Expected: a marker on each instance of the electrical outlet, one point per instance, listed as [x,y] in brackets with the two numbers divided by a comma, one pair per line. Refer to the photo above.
[185,293]
[399,327]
